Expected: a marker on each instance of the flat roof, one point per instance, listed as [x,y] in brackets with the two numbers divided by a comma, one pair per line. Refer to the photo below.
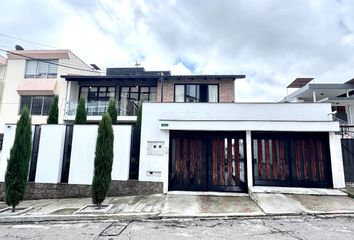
[299,82]
[142,76]
[322,90]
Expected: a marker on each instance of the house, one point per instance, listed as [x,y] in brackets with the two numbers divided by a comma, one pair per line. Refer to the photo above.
[3,63]
[129,86]
[33,78]
[194,136]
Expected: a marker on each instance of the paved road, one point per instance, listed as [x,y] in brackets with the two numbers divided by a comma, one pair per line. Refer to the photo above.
[306,227]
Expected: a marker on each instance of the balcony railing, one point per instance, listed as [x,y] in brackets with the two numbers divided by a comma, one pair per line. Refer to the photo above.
[97,108]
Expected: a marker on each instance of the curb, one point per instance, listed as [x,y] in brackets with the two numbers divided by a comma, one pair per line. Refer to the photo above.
[158,217]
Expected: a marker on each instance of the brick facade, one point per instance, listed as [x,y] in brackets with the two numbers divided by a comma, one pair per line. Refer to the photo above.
[226,88]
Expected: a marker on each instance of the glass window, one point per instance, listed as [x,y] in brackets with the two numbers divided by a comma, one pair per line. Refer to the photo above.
[196,93]
[31,69]
[179,93]
[213,93]
[44,68]
[192,93]
[37,105]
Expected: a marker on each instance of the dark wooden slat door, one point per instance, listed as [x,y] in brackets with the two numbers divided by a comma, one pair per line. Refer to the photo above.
[207,161]
[303,159]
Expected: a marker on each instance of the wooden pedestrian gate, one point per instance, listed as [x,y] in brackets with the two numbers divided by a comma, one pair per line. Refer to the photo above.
[207,161]
[291,159]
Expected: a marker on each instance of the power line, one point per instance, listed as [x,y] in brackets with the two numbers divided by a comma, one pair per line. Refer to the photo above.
[49,62]
[24,40]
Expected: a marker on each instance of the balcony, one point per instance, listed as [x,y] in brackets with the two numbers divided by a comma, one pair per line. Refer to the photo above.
[127,110]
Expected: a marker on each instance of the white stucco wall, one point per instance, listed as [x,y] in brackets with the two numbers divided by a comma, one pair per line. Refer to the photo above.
[121,160]
[9,138]
[335,148]
[50,154]
[82,154]
[159,118]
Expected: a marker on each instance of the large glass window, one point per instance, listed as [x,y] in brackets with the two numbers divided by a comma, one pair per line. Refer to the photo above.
[196,93]
[41,69]
[93,94]
[147,94]
[37,105]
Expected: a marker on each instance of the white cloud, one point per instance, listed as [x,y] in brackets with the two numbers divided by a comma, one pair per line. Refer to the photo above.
[271,41]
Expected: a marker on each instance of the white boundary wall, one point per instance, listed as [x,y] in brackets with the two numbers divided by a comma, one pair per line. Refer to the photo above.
[83,153]
[51,147]
[50,154]
[159,118]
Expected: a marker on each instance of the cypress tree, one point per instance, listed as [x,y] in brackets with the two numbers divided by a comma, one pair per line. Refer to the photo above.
[17,165]
[112,110]
[80,117]
[103,161]
[53,113]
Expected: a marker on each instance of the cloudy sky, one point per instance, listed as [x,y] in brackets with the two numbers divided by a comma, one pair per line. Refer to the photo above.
[270,41]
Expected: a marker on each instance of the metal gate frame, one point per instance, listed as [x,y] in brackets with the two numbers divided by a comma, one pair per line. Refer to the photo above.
[290,159]
[208,135]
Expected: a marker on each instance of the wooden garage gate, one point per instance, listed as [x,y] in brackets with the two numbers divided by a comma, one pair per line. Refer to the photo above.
[291,159]
[207,161]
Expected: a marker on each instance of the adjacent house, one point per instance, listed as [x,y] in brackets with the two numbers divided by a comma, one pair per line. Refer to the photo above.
[129,86]
[32,78]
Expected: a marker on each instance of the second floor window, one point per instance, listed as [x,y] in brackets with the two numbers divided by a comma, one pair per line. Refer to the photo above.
[95,93]
[37,105]
[196,93]
[41,69]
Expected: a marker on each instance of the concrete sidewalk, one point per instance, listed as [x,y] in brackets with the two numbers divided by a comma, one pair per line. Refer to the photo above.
[184,205]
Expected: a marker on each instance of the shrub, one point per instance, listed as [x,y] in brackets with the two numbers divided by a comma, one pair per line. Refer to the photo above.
[53,112]
[80,117]
[112,111]
[17,165]
[103,161]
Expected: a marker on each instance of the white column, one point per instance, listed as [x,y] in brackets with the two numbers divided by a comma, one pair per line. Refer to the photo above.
[336,160]
[249,159]
[314,95]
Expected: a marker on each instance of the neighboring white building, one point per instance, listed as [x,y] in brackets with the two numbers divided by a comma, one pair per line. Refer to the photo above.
[339,95]
[33,78]
[3,63]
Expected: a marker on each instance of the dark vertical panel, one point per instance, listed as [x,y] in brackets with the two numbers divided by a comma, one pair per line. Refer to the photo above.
[275,159]
[185,159]
[237,161]
[320,160]
[214,160]
[67,153]
[267,159]
[313,161]
[229,161]
[282,159]
[297,160]
[35,148]
[191,160]
[305,159]
[178,158]
[199,161]
[222,160]
[260,158]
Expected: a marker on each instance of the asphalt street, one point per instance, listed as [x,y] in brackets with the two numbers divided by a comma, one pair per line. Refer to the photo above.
[303,227]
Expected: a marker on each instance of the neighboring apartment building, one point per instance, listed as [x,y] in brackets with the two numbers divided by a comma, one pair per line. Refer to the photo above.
[129,86]
[33,78]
